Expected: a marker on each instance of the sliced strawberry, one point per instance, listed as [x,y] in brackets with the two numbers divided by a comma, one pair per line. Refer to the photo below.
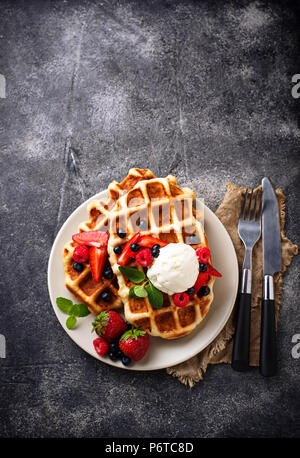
[97,261]
[127,253]
[91,238]
[201,280]
[148,241]
[212,271]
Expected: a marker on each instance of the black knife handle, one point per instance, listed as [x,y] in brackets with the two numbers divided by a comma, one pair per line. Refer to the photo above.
[268,353]
[240,353]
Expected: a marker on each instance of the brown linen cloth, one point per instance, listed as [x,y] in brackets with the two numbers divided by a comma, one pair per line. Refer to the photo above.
[219,351]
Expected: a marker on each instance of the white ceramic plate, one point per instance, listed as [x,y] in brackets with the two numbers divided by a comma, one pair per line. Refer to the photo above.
[161,353]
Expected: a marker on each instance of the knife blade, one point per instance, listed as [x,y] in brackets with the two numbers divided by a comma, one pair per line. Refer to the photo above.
[270,230]
[271,242]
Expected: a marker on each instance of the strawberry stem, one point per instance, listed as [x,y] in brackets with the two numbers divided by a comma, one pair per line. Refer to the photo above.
[134,333]
[100,322]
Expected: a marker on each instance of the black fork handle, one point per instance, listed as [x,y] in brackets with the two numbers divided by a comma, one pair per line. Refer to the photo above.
[240,353]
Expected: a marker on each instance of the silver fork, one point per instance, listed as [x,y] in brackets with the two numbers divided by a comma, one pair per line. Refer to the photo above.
[249,230]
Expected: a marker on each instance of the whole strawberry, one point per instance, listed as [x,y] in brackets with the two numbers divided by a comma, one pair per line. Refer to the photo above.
[109,324]
[134,343]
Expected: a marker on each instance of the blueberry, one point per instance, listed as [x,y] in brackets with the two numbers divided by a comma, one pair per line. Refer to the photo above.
[202,267]
[203,291]
[126,360]
[115,350]
[114,347]
[129,326]
[119,354]
[118,249]
[108,273]
[113,356]
[105,295]
[190,290]
[155,250]
[143,224]
[78,266]
[134,247]
[121,233]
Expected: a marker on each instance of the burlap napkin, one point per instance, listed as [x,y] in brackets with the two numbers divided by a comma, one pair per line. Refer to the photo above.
[219,351]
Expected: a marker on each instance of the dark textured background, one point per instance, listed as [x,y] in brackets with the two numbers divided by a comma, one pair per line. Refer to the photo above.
[198,89]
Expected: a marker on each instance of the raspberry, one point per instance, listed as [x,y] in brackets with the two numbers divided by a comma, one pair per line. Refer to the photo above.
[144,257]
[203,254]
[81,253]
[181,299]
[101,346]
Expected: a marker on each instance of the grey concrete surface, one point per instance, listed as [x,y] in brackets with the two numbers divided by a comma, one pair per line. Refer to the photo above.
[198,89]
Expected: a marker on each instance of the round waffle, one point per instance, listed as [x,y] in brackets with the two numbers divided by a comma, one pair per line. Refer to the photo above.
[166,212]
[81,284]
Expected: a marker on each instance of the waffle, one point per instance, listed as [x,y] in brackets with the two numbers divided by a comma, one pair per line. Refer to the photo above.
[169,215]
[81,284]
[99,210]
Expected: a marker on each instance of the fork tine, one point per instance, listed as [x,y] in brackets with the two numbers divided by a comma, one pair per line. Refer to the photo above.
[244,204]
[260,208]
[255,206]
[247,216]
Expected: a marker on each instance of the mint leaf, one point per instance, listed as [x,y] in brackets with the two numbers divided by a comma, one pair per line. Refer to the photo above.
[71,321]
[74,310]
[64,305]
[131,292]
[155,296]
[134,275]
[79,310]
[140,291]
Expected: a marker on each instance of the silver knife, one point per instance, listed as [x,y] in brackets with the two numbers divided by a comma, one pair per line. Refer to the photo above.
[271,264]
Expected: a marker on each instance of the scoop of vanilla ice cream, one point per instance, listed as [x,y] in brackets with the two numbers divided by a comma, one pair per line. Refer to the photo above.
[175,270]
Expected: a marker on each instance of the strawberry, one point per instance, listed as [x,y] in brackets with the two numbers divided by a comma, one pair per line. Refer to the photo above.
[109,325]
[97,261]
[148,241]
[212,271]
[134,343]
[201,280]
[127,253]
[91,238]
[101,346]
